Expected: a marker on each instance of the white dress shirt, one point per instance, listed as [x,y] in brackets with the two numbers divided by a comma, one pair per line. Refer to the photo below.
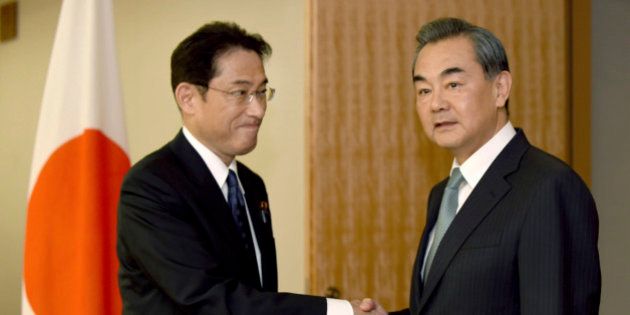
[475,167]
[220,171]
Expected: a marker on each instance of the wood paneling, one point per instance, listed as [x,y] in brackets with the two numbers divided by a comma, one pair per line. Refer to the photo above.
[370,165]
[580,75]
[8,21]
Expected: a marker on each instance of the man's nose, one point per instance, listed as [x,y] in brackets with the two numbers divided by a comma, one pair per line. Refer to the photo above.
[257,107]
[438,102]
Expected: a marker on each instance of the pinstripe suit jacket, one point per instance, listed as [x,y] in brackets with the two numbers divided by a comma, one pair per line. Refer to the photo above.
[524,242]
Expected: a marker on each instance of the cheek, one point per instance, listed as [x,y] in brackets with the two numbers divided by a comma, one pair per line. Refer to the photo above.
[229,117]
[420,108]
[424,114]
[214,121]
[237,118]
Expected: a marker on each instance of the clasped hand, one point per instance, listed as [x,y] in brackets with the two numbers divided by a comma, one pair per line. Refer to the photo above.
[367,306]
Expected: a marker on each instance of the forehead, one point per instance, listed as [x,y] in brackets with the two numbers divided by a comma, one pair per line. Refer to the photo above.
[455,52]
[241,65]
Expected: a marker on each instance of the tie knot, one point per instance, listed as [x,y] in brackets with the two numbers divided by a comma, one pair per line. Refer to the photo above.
[231,180]
[455,179]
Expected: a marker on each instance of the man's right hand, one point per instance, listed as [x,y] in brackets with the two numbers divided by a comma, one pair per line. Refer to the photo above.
[367,306]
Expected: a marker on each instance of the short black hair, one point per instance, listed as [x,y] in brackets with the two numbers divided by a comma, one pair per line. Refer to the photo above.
[194,59]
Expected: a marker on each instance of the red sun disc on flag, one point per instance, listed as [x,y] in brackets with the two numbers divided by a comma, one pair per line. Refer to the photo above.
[70,262]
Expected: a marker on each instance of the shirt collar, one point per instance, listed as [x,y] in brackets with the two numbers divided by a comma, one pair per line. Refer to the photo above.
[477,164]
[216,166]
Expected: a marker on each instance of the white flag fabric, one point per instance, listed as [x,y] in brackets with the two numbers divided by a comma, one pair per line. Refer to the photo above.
[79,160]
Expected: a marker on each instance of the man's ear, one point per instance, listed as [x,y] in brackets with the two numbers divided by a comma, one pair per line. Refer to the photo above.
[502,87]
[184,96]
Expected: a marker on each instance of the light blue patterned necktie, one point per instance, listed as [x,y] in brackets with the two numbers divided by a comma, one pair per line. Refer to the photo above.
[448,209]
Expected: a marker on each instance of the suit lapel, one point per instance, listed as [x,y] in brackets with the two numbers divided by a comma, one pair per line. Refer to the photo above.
[203,190]
[206,197]
[432,213]
[490,190]
[255,203]
[258,208]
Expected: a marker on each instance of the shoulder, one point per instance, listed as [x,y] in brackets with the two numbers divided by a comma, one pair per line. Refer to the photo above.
[547,178]
[155,163]
[173,158]
[541,166]
[159,172]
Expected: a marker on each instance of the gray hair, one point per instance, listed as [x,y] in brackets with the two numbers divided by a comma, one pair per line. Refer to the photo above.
[489,50]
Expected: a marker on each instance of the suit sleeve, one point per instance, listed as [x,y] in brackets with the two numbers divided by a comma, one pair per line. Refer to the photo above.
[558,260]
[166,256]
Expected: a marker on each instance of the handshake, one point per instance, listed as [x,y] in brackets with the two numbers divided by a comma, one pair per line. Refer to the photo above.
[367,306]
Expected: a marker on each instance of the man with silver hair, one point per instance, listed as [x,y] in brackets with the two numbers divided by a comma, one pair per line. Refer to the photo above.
[513,230]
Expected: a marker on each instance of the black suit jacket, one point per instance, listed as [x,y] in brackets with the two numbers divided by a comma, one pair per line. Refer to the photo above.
[178,246]
[524,242]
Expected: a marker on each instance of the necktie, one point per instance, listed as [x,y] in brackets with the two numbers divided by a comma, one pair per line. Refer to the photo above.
[237,205]
[448,208]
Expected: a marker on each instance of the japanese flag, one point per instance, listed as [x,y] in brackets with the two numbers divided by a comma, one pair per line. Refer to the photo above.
[79,160]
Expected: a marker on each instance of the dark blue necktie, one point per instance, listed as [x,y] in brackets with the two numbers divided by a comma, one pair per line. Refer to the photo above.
[237,205]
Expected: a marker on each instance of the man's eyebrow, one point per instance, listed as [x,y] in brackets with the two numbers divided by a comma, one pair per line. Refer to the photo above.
[450,71]
[418,77]
[246,82]
[444,73]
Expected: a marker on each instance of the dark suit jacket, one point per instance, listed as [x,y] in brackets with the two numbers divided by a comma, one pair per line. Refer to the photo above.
[178,246]
[524,242]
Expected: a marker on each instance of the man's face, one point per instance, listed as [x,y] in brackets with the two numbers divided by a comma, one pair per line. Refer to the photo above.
[223,124]
[459,108]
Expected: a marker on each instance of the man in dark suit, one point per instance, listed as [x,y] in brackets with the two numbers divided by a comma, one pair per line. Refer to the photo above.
[194,226]
[513,230]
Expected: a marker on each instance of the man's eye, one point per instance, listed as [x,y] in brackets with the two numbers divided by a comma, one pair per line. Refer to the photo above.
[453,85]
[238,93]
[261,93]
[424,91]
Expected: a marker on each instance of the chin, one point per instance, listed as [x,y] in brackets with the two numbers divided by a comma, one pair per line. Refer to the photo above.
[246,148]
[446,143]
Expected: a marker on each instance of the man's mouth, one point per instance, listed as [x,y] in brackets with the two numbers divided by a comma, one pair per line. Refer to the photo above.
[442,124]
[250,125]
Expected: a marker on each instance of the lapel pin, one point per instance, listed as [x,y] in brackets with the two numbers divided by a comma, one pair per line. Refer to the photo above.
[264,211]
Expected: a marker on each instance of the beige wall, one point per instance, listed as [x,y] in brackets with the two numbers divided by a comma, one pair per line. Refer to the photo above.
[611,148]
[146,33]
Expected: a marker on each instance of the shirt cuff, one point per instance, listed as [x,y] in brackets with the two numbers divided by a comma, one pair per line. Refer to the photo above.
[338,307]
